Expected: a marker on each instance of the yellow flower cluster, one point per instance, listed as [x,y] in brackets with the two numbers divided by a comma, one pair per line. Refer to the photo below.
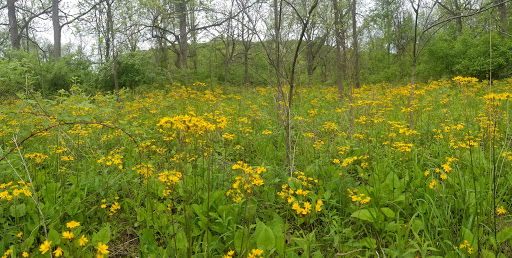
[229,254]
[433,184]
[113,208]
[145,170]
[243,184]
[8,190]
[188,124]
[500,210]
[80,130]
[343,149]
[300,195]
[361,198]
[37,157]
[113,159]
[318,144]
[348,161]
[228,136]
[255,253]
[266,132]
[402,147]
[466,246]
[7,253]
[330,126]
[169,179]
[464,80]
[445,171]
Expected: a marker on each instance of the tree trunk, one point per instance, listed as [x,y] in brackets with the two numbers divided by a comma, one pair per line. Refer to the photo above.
[27,41]
[109,29]
[502,8]
[226,58]
[458,12]
[181,7]
[116,80]
[246,66]
[357,83]
[413,67]
[13,24]
[57,46]
[283,107]
[337,31]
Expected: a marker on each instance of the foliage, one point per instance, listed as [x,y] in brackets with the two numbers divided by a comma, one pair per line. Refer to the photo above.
[200,170]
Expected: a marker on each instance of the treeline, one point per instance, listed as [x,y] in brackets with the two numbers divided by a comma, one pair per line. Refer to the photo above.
[235,42]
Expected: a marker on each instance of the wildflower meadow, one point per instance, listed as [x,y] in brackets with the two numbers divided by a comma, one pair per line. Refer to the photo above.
[201,171]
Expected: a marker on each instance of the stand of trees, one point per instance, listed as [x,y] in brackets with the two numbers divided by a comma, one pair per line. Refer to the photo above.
[250,42]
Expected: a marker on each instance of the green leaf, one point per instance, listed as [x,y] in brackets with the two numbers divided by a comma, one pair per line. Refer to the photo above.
[266,239]
[388,212]
[504,234]
[365,214]
[54,237]
[102,236]
[18,210]
[238,240]
[487,254]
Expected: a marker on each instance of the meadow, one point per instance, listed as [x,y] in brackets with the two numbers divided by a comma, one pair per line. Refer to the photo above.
[201,171]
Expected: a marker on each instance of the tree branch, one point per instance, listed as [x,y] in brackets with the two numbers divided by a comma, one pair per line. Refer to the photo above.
[464,15]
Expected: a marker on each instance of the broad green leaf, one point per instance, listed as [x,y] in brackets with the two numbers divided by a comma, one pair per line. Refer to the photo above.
[487,254]
[238,240]
[102,236]
[54,237]
[365,214]
[388,212]
[266,239]
[504,234]
[18,210]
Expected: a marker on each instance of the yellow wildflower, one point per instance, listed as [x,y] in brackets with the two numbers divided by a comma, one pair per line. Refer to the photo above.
[102,249]
[68,235]
[318,206]
[83,240]
[500,210]
[45,247]
[58,252]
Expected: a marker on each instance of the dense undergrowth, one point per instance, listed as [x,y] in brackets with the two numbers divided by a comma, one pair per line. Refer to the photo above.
[201,171]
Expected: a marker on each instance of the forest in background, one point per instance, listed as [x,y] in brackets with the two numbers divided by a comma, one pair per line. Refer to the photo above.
[152,43]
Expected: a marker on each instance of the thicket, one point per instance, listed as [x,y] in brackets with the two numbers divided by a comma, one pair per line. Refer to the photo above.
[446,56]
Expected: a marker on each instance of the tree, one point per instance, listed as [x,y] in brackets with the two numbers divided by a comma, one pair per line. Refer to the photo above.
[339,32]
[57,26]
[355,47]
[502,9]
[15,28]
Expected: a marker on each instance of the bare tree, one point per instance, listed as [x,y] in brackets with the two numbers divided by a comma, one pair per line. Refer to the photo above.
[69,19]
[339,33]
[355,47]
[15,28]
[502,9]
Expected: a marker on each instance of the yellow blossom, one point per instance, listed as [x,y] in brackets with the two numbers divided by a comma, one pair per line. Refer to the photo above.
[102,249]
[83,240]
[500,210]
[255,253]
[45,247]
[68,235]
[58,252]
[318,206]
[72,224]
